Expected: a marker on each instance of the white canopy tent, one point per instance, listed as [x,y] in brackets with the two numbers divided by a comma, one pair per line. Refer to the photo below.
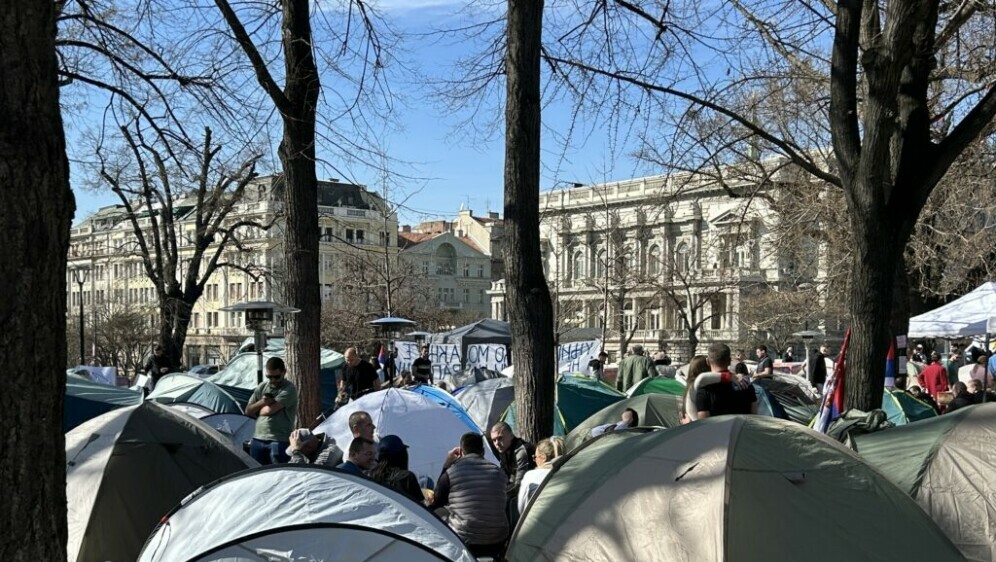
[967,316]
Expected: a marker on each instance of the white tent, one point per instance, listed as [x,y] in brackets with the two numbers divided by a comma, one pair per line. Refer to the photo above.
[301,512]
[429,430]
[966,316]
[128,468]
[236,427]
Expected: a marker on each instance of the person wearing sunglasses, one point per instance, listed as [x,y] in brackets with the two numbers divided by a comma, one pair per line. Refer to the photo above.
[274,405]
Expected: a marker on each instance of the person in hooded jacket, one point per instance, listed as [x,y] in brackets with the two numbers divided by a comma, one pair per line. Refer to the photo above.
[392,468]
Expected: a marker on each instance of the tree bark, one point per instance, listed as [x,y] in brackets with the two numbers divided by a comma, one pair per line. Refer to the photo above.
[297,155]
[530,311]
[38,207]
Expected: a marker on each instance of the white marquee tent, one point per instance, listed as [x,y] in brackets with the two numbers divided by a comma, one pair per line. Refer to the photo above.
[964,317]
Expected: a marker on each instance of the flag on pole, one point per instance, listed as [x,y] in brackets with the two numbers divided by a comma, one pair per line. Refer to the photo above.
[890,365]
[833,397]
[382,356]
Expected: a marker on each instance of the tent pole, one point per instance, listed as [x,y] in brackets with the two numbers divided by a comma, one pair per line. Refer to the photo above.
[985,374]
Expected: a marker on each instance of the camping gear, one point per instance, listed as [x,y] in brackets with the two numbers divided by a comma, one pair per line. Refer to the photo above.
[309,513]
[236,427]
[946,464]
[578,397]
[128,467]
[446,400]
[429,430]
[902,408]
[486,401]
[241,372]
[730,488]
[787,397]
[966,316]
[657,385]
[663,410]
[86,400]
[181,387]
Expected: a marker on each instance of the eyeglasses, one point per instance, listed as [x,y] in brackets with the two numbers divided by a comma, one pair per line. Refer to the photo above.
[274,377]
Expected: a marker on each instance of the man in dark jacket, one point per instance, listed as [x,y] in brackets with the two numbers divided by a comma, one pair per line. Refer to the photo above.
[516,458]
[818,368]
[961,399]
[471,489]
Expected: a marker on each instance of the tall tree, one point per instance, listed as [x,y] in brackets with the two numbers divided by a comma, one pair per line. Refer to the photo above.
[530,312]
[297,103]
[37,209]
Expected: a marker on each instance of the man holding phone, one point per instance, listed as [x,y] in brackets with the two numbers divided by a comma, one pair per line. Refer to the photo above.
[274,405]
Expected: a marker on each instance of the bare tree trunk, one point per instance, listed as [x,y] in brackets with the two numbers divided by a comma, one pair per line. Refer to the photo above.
[530,311]
[38,209]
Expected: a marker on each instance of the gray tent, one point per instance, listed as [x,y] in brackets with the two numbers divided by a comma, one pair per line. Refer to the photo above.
[128,468]
[480,332]
[181,387]
[729,488]
[486,401]
[947,464]
[236,427]
[663,410]
[310,513]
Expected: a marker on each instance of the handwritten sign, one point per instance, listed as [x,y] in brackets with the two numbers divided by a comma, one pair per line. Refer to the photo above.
[574,357]
[493,356]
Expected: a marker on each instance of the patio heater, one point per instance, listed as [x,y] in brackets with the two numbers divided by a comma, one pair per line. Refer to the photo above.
[807,336]
[259,319]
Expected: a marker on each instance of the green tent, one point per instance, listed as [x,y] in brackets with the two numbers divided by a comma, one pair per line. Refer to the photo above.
[902,408]
[662,410]
[181,388]
[657,385]
[240,372]
[86,400]
[730,488]
[946,464]
[578,397]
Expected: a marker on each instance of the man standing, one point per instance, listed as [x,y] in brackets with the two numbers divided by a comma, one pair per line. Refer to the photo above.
[951,366]
[723,398]
[359,377]
[470,488]
[634,368]
[274,405]
[516,457]
[422,367]
[765,368]
[597,366]
[934,378]
[817,374]
[362,457]
[157,365]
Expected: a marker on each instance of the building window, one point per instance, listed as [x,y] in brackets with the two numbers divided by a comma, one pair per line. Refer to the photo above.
[466,270]
[654,260]
[577,265]
[601,261]
[349,236]
[359,236]
[466,296]
[480,271]
[445,260]
[717,306]
[682,258]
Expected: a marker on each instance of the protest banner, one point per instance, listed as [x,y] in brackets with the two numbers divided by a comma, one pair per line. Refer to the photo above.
[574,357]
[492,356]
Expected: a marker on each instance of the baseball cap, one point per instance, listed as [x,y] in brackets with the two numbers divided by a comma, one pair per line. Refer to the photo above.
[391,444]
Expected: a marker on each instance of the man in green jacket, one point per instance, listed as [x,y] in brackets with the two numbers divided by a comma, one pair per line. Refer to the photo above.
[634,369]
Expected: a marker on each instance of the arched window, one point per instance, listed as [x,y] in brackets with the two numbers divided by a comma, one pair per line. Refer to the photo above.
[632,261]
[600,264]
[682,258]
[446,259]
[577,265]
[654,260]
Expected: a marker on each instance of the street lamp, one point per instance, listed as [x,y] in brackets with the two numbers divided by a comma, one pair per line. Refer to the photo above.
[807,336]
[80,274]
[259,319]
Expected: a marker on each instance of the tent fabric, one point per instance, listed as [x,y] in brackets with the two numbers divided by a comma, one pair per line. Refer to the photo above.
[236,427]
[469,377]
[241,372]
[446,400]
[181,387]
[902,408]
[310,512]
[578,397]
[481,332]
[657,385]
[429,430]
[86,400]
[659,409]
[966,316]
[729,488]
[486,401]
[193,410]
[128,467]
[946,464]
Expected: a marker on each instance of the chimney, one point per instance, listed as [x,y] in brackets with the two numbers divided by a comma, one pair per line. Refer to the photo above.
[493,215]
[466,213]
[407,229]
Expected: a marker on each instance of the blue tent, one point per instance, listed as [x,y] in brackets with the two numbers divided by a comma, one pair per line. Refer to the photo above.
[86,400]
[446,400]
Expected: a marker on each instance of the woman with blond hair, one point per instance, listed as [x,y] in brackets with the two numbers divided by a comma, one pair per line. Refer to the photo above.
[696,367]
[547,451]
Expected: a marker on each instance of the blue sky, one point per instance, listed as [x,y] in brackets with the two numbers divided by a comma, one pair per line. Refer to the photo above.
[450,168]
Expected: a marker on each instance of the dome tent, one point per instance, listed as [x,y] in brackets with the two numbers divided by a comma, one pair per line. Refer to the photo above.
[193,410]
[946,464]
[446,400]
[240,373]
[236,427]
[86,400]
[486,401]
[657,385]
[729,488]
[578,397]
[429,430]
[304,517]
[902,408]
[128,467]
[662,410]
[181,387]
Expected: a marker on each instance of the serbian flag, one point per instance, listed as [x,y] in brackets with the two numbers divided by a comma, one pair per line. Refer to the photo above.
[382,356]
[833,396]
[890,365]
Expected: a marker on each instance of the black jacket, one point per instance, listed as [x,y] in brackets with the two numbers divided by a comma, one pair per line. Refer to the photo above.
[516,461]
[402,481]
[817,369]
[960,401]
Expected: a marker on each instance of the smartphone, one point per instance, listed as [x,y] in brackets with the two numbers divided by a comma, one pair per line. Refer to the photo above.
[269,395]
